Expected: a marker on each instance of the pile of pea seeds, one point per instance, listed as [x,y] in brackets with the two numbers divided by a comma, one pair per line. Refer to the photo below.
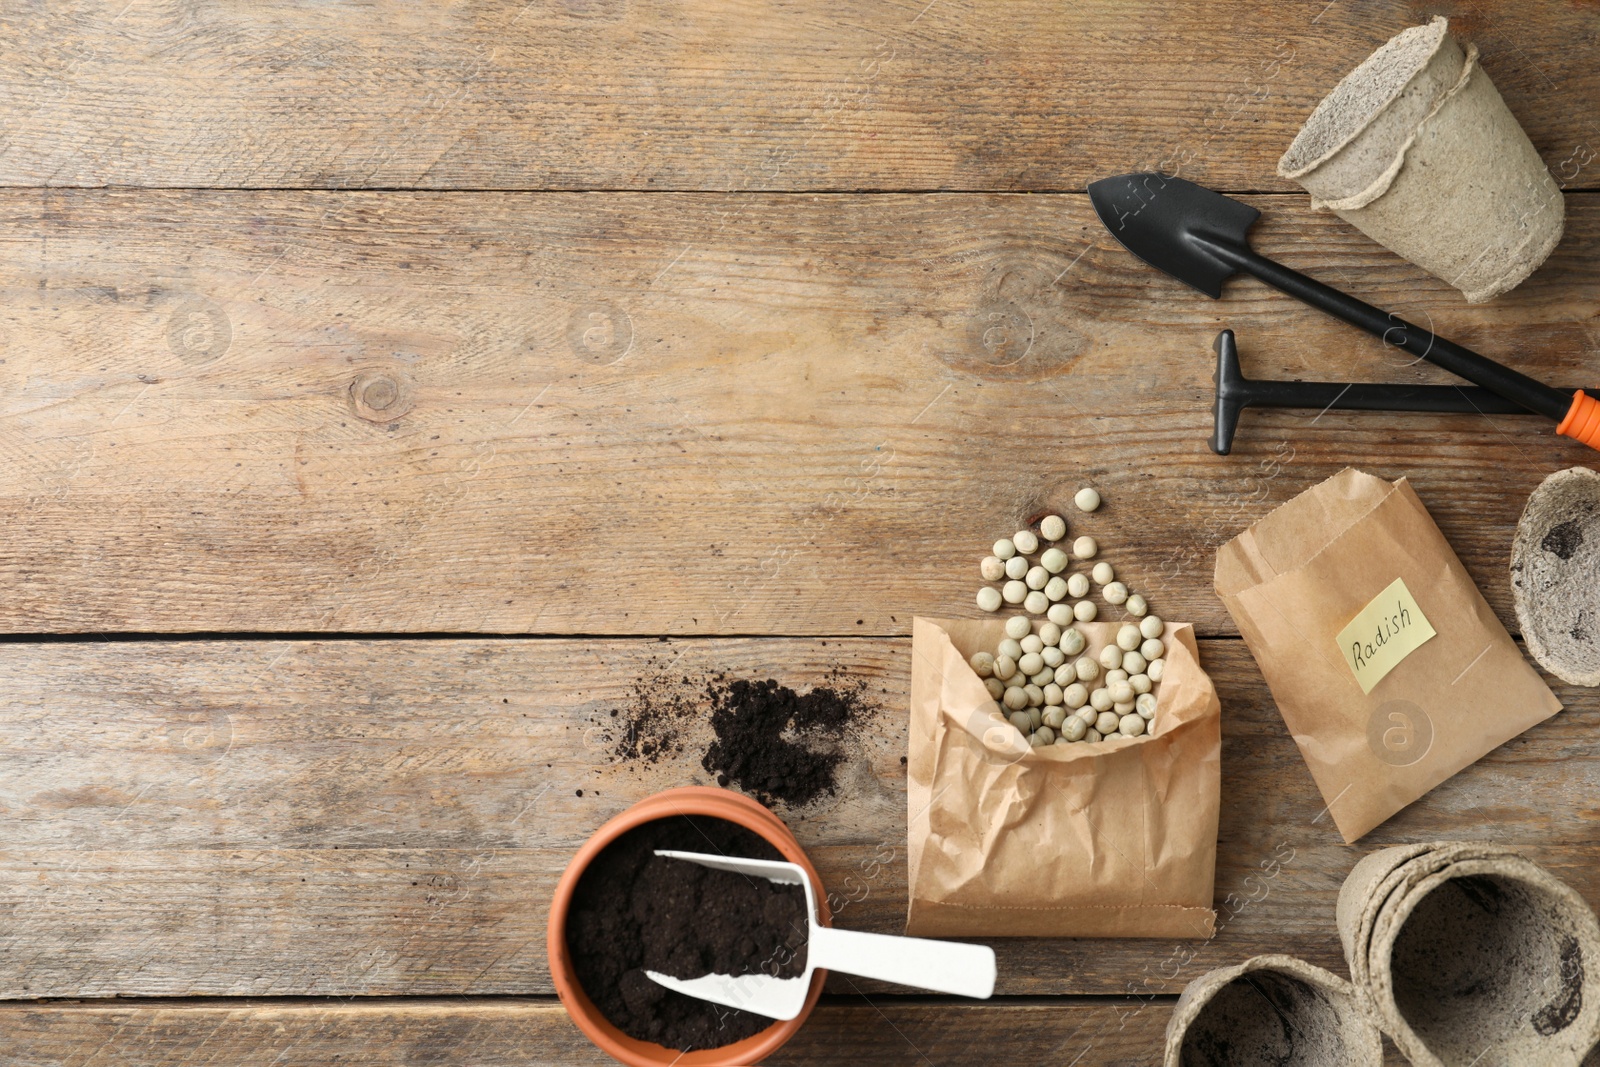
[1055,689]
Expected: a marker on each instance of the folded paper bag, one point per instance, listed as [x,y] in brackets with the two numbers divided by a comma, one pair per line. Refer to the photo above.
[1114,838]
[1388,666]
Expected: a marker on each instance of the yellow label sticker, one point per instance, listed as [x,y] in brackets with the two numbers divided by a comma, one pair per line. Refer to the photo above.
[1386,631]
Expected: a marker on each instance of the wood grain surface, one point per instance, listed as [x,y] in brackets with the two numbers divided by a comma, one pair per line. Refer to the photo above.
[643,414]
[536,1033]
[389,817]
[732,96]
[389,393]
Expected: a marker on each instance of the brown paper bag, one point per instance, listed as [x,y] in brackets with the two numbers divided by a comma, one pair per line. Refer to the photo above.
[1296,580]
[1110,839]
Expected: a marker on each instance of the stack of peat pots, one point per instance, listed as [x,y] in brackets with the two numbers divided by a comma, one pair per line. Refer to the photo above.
[1462,953]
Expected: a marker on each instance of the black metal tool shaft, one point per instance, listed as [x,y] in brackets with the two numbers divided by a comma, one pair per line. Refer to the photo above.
[1235,392]
[1530,394]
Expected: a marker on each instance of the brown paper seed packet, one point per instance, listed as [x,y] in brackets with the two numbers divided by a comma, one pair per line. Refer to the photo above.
[1115,838]
[1388,666]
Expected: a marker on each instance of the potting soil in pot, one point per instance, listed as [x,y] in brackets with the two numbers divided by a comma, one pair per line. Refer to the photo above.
[635,911]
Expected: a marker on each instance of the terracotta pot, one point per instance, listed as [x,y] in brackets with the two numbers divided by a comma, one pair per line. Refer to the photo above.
[688,800]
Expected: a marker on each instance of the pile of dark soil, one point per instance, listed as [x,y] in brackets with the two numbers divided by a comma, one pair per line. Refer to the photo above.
[767,739]
[776,744]
[634,911]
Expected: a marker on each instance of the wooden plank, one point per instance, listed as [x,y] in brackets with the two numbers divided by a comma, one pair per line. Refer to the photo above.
[536,1032]
[389,817]
[640,414]
[645,94]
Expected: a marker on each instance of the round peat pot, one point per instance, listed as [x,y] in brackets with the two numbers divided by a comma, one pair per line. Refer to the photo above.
[688,800]
[1489,961]
[1416,149]
[1271,1010]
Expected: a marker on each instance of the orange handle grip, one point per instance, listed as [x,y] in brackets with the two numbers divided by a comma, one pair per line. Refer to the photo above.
[1583,420]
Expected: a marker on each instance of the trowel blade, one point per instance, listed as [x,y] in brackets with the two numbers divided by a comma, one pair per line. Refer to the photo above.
[1169,223]
[775,998]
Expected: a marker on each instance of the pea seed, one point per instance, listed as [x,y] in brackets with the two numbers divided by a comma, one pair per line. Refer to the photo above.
[1156,668]
[1050,633]
[1013,592]
[1016,700]
[1036,602]
[1035,718]
[1036,741]
[982,664]
[1074,728]
[1004,666]
[1121,693]
[1131,725]
[1103,573]
[1052,694]
[1087,499]
[1139,683]
[1108,722]
[1016,566]
[1136,605]
[1110,657]
[1065,675]
[1032,643]
[1047,736]
[1153,648]
[1054,716]
[989,598]
[993,568]
[996,687]
[1036,578]
[1054,560]
[1078,585]
[1034,694]
[1052,527]
[1128,637]
[1018,627]
[1060,614]
[1134,662]
[1151,626]
[1145,705]
[1115,593]
[1085,611]
[1072,641]
[1074,696]
[1091,734]
[1087,669]
[1053,656]
[1004,549]
[1100,699]
[1085,548]
[1055,589]
[1009,648]
[1030,663]
[1115,675]
[1020,720]
[1045,677]
[1025,542]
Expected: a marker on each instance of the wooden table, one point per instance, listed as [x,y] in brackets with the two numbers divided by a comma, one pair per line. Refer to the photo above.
[383,385]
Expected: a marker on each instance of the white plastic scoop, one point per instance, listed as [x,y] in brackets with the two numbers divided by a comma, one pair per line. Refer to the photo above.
[942,966]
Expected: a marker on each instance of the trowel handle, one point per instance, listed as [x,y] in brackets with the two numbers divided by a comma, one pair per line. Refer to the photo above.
[942,966]
[1583,420]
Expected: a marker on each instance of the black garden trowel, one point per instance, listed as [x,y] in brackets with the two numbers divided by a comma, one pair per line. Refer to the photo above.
[1200,238]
